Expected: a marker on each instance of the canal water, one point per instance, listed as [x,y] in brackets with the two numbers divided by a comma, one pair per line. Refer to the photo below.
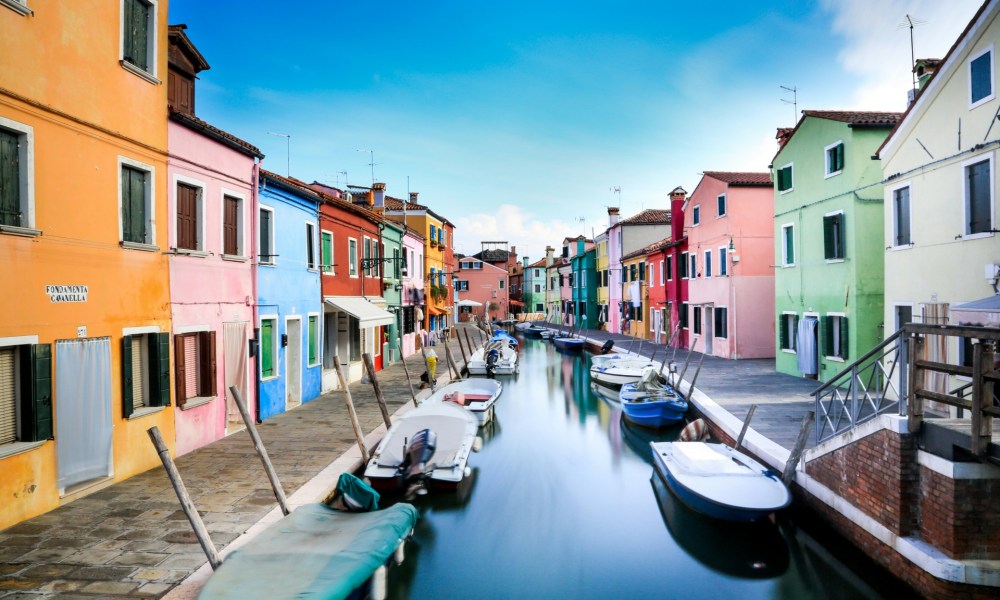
[564,503]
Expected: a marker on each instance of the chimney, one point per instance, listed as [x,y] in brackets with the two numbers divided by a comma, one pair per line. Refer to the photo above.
[677,198]
[524,261]
[782,136]
[924,69]
[413,197]
[613,217]
[548,256]
[378,195]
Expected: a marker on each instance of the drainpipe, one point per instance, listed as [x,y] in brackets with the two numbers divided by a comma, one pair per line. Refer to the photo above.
[254,260]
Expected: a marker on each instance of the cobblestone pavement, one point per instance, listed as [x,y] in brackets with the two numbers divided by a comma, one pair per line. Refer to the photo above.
[132,540]
[782,400]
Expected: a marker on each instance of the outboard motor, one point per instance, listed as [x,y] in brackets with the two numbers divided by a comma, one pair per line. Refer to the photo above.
[492,358]
[608,345]
[419,449]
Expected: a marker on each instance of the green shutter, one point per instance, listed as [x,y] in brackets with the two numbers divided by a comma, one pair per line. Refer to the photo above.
[159,364]
[10,180]
[783,333]
[133,205]
[326,252]
[126,376]
[312,340]
[828,249]
[36,392]
[789,245]
[135,20]
[267,348]
[840,157]
[827,334]
[843,338]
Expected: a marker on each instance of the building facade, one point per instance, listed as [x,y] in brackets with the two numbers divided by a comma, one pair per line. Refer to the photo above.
[485,284]
[601,264]
[535,286]
[412,281]
[625,237]
[584,287]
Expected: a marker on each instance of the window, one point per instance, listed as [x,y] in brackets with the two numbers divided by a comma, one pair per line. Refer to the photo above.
[721,322]
[708,263]
[670,268]
[693,270]
[146,371]
[441,237]
[139,37]
[901,216]
[835,336]
[723,261]
[377,251]
[696,215]
[25,393]
[834,158]
[833,236]
[17,185]
[311,246]
[784,177]
[396,267]
[682,266]
[662,275]
[433,238]
[365,264]
[981,77]
[979,196]
[268,348]
[642,271]
[788,327]
[352,257]
[538,288]
[652,319]
[462,285]
[266,242]
[232,225]
[696,317]
[408,320]
[503,283]
[539,307]
[326,252]
[190,209]
[788,245]
[194,366]
[313,340]
[721,205]
[650,276]
[137,205]
[904,315]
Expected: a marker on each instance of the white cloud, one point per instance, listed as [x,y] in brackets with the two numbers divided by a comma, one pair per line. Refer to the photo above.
[511,223]
[877,49]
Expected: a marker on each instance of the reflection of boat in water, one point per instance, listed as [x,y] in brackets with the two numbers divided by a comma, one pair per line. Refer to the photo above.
[607,394]
[749,550]
[639,438]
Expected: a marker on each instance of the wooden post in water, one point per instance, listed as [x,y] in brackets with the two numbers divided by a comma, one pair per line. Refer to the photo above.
[350,409]
[468,342]
[258,445]
[409,383]
[451,362]
[687,360]
[746,425]
[800,445]
[465,359]
[370,368]
[695,378]
[186,504]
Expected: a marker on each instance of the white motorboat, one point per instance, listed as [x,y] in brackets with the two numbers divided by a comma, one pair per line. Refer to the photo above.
[719,481]
[478,396]
[617,372]
[430,445]
[496,358]
[600,360]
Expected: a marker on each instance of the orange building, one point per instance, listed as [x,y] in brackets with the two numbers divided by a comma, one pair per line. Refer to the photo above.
[84,320]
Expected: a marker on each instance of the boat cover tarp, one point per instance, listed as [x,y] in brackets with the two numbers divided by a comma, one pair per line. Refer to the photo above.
[315,552]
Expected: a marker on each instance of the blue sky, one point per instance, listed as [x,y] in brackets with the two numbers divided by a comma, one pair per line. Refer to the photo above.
[516,120]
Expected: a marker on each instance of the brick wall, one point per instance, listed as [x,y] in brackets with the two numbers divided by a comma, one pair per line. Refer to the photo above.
[959,517]
[878,474]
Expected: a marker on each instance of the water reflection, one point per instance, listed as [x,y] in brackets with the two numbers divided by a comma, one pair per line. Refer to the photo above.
[561,507]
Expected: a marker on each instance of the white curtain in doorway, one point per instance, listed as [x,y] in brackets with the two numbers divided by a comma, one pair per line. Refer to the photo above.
[83,410]
[235,339]
[806,346]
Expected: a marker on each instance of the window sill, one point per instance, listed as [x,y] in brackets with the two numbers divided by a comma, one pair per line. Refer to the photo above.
[783,192]
[21,231]
[189,252]
[787,351]
[145,411]
[976,236]
[789,266]
[835,359]
[831,261]
[19,9]
[267,264]
[834,174]
[235,258]
[138,71]
[14,448]
[196,402]
[138,246]
[901,247]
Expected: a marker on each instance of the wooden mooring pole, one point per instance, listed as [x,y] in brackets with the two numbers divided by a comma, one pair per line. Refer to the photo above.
[370,369]
[468,342]
[451,361]
[258,445]
[187,505]
[800,445]
[409,382]
[746,425]
[695,378]
[350,409]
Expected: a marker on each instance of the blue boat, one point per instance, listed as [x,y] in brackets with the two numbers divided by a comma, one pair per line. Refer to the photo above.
[719,481]
[500,334]
[534,330]
[568,343]
[650,402]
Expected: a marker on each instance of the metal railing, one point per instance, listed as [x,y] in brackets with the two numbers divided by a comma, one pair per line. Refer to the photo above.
[868,387]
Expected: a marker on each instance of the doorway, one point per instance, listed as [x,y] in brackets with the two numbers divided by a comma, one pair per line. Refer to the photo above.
[709,315]
[235,345]
[293,362]
[807,346]
[83,411]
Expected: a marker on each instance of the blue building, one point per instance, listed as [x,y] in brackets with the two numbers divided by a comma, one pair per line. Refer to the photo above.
[289,306]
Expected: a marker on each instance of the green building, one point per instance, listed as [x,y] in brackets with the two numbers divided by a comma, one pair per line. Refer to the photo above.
[392,285]
[829,242]
[584,281]
[534,289]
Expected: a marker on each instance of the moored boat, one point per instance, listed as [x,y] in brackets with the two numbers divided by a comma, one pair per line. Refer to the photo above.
[496,358]
[616,373]
[570,344]
[718,481]
[534,330]
[500,334]
[650,402]
[430,445]
[478,396]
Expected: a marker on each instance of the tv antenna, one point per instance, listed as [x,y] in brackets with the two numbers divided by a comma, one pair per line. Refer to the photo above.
[794,102]
[909,22]
[372,163]
[617,191]
[336,178]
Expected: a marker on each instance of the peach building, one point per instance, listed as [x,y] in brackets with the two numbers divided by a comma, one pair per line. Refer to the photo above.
[483,283]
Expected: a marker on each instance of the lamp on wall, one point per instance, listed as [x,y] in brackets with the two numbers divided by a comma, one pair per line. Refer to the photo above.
[731,246]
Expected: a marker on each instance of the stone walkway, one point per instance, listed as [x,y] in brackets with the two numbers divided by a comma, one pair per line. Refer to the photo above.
[132,540]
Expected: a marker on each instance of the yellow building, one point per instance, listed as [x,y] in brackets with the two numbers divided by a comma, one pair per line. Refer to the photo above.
[603,277]
[635,294]
[84,359]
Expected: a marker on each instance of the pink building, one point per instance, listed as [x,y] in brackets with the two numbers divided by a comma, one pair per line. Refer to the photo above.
[413,290]
[483,283]
[212,206]
[729,221]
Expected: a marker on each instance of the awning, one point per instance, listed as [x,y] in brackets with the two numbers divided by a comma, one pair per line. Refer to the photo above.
[468,303]
[516,303]
[364,311]
[984,312]
[435,311]
[379,300]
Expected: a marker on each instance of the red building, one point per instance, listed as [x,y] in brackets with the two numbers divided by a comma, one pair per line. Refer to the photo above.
[673,295]
[351,280]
